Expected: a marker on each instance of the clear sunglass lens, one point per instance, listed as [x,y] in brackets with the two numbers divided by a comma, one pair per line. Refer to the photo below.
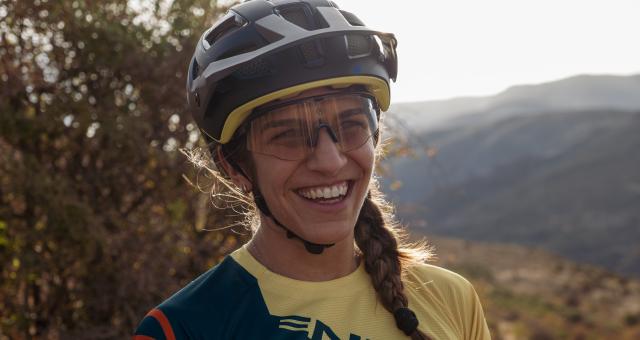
[357,125]
[290,131]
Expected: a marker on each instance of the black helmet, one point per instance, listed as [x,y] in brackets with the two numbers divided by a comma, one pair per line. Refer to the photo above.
[265,50]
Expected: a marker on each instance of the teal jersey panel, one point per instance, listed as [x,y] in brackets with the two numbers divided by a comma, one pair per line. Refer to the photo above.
[224,303]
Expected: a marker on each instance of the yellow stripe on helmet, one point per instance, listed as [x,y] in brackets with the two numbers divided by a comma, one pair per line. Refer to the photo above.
[376,86]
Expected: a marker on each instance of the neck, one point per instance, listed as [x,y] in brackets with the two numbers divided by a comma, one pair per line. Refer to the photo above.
[289,258]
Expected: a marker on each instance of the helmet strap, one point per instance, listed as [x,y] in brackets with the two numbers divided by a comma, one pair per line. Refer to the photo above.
[261,203]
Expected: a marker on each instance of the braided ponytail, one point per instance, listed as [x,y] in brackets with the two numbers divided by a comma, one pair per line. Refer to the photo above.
[384,256]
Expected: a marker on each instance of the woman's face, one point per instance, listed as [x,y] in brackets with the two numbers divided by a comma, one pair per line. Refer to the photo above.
[320,196]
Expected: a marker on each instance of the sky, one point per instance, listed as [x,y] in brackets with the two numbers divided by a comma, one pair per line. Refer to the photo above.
[451,48]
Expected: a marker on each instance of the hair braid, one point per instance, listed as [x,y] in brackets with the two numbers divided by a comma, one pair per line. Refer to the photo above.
[383,259]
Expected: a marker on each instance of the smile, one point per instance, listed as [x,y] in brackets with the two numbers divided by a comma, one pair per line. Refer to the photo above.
[328,194]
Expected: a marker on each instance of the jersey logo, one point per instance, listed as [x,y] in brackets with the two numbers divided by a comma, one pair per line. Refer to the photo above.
[318,330]
[294,323]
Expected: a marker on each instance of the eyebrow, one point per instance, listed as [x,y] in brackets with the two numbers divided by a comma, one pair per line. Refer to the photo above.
[279,123]
[293,122]
[350,112]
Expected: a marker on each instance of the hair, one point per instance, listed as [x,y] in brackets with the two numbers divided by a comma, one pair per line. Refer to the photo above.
[386,253]
[380,240]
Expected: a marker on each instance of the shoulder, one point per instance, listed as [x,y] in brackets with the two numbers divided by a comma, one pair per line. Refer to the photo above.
[435,283]
[430,274]
[447,302]
[209,297]
[220,286]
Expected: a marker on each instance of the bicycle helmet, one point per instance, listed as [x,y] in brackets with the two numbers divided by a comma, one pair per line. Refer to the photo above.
[264,50]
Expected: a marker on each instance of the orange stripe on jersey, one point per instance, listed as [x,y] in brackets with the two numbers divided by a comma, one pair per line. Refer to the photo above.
[142,337]
[164,323]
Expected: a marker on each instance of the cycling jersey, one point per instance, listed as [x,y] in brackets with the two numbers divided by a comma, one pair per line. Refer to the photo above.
[242,299]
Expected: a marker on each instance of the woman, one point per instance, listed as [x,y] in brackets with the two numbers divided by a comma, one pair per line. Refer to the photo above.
[289,93]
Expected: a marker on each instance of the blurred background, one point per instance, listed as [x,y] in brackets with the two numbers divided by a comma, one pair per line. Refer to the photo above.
[514,148]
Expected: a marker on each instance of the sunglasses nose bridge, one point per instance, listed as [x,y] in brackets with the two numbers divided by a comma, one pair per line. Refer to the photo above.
[316,135]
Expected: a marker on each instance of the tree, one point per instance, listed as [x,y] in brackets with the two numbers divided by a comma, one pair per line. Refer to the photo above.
[97,224]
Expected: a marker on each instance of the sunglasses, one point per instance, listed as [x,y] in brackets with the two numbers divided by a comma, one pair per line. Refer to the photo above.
[290,130]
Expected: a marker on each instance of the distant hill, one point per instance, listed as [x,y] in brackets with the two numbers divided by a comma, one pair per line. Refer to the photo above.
[528,293]
[567,181]
[583,92]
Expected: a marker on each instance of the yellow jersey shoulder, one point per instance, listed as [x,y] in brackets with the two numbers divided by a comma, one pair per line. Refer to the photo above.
[446,303]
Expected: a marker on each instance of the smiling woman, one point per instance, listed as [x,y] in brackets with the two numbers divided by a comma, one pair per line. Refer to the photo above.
[289,95]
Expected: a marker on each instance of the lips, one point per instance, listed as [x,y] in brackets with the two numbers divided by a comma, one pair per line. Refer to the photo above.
[324,193]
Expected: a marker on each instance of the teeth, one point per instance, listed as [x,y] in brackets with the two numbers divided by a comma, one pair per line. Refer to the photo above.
[335,191]
[325,192]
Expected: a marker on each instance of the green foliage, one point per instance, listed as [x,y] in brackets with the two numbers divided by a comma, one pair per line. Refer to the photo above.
[96,223]
[509,301]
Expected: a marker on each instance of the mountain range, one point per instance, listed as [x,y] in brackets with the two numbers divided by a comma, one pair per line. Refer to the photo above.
[582,92]
[553,165]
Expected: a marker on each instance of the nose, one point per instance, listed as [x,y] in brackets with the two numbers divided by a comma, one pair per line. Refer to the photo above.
[326,157]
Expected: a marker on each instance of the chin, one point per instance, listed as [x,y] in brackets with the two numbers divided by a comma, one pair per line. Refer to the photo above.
[329,232]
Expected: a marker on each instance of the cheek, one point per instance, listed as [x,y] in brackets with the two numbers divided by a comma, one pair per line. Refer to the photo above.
[271,175]
[366,158]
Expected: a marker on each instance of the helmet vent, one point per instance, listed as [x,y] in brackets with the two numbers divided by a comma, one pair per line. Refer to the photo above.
[298,15]
[301,15]
[229,23]
[195,70]
[311,53]
[358,45]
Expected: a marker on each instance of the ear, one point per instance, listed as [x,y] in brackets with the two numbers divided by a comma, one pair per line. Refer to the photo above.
[237,176]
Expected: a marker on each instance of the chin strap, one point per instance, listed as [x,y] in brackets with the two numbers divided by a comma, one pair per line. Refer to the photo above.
[261,203]
[313,248]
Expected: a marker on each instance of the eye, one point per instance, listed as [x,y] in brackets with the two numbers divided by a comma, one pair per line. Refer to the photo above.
[286,136]
[354,122]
